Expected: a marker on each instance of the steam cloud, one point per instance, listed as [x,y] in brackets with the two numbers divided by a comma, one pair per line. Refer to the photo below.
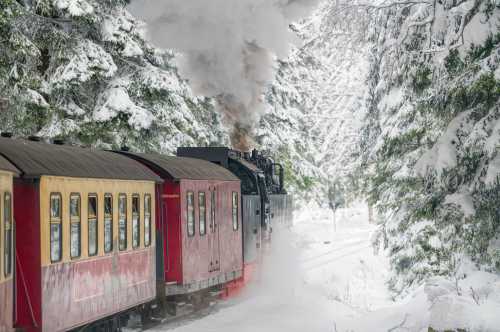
[228,49]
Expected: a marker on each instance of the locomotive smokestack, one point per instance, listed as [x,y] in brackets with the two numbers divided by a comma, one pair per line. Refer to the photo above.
[241,138]
[229,50]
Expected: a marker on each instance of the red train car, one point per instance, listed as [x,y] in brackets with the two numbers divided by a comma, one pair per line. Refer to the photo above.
[84,241]
[7,173]
[198,224]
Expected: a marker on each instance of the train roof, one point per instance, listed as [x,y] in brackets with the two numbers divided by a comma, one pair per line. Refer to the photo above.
[251,167]
[182,168]
[220,155]
[35,159]
[5,165]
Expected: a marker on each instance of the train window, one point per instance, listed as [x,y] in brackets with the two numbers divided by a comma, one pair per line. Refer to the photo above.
[108,223]
[55,228]
[7,218]
[212,211]
[92,226]
[202,203]
[235,211]
[147,220]
[136,212]
[75,219]
[190,213]
[122,222]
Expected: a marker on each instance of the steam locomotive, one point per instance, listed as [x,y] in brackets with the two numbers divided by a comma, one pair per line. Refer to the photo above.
[89,237]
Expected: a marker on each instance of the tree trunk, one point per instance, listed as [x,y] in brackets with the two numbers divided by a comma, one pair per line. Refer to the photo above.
[334,221]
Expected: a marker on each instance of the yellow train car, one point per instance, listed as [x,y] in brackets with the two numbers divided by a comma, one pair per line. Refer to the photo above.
[7,173]
[85,234]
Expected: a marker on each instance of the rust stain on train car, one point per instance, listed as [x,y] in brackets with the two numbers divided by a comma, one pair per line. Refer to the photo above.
[93,289]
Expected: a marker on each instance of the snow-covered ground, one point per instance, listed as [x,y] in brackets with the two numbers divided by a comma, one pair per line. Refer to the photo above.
[319,278]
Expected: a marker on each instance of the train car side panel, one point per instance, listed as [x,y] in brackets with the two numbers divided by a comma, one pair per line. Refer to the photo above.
[251,210]
[198,257]
[93,286]
[231,243]
[93,289]
[214,257]
[6,305]
[28,275]
[172,232]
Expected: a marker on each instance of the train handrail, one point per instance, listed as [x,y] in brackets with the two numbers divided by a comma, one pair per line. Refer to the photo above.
[18,261]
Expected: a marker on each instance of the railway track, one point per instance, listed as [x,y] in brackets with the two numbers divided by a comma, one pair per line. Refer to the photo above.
[335,250]
[172,322]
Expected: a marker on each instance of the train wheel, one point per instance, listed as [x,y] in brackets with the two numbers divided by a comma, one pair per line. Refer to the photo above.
[145,312]
[123,321]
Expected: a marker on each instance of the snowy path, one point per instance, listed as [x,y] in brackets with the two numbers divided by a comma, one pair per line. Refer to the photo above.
[317,280]
[341,264]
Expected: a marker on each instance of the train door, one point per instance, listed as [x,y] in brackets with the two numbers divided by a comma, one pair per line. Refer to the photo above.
[218,209]
[162,240]
[251,210]
[172,243]
[213,232]
[161,235]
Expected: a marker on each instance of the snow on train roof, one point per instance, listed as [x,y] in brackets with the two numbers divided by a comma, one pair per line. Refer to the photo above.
[180,168]
[35,159]
[5,165]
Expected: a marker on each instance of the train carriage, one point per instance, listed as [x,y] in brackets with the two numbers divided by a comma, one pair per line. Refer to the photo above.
[84,234]
[264,198]
[7,173]
[199,224]
[281,210]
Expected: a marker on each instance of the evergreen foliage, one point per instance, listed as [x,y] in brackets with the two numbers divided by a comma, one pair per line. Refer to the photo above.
[435,159]
[83,71]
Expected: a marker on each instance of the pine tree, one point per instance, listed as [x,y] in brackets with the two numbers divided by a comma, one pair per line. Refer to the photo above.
[436,103]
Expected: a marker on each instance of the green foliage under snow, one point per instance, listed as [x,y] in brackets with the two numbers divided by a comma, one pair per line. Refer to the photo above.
[434,163]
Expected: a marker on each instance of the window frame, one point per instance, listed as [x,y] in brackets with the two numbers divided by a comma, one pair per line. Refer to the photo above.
[204,214]
[60,223]
[96,196]
[10,255]
[188,214]
[109,196]
[120,248]
[235,210]
[72,195]
[1,240]
[147,212]
[136,197]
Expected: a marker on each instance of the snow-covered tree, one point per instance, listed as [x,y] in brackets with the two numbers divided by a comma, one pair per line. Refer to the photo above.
[82,70]
[432,135]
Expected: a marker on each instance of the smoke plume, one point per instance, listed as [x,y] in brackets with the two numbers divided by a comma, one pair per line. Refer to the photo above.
[228,50]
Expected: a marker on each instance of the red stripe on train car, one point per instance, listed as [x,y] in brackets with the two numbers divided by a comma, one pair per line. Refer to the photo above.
[28,302]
